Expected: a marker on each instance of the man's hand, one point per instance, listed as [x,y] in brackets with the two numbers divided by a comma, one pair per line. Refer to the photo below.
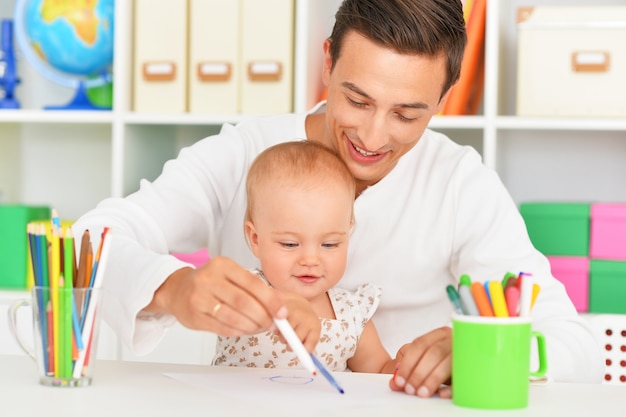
[424,365]
[220,297]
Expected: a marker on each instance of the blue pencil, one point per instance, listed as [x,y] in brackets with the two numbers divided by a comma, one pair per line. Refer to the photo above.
[326,374]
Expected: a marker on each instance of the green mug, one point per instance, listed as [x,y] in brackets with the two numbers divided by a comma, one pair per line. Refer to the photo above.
[491,361]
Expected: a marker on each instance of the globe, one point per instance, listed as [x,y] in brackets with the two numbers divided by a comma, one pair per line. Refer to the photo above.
[71,44]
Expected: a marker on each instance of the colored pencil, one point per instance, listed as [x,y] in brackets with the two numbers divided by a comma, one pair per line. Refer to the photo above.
[92,304]
[55,272]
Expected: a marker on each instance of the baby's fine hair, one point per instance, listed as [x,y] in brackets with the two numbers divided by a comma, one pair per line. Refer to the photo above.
[299,163]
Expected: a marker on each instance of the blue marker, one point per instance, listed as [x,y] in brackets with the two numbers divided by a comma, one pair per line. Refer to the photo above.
[326,374]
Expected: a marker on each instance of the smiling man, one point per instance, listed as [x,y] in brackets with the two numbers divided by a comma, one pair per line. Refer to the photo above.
[426,209]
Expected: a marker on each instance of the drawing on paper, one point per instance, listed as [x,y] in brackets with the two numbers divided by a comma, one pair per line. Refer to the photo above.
[290,379]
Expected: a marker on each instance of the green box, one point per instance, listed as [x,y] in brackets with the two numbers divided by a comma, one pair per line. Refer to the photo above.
[607,287]
[560,229]
[14,242]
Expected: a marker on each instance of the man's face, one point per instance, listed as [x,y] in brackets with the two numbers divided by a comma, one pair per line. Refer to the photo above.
[379,104]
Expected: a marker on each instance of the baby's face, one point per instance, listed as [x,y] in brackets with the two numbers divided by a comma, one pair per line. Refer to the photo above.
[300,234]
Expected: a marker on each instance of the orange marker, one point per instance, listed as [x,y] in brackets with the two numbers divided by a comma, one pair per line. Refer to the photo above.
[481,299]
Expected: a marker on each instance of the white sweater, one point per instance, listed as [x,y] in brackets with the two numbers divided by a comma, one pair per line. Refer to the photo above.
[438,214]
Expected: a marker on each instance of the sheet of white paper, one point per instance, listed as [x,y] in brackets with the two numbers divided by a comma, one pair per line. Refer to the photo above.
[296,388]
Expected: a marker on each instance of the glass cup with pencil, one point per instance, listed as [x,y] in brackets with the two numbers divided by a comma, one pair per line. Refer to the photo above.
[65,303]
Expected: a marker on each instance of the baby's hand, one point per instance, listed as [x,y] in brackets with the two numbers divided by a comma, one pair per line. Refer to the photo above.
[303,319]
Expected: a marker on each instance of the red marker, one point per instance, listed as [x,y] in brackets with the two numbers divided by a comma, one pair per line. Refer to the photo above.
[511,294]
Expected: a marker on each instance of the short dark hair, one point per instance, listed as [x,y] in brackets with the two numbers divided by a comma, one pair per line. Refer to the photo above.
[423,27]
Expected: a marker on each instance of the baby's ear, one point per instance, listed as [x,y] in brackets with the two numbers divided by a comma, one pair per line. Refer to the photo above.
[252,237]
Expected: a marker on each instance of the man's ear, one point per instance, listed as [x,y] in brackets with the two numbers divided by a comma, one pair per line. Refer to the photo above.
[443,101]
[252,237]
[327,63]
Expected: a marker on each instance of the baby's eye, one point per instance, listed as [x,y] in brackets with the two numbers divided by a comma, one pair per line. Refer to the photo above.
[330,245]
[288,244]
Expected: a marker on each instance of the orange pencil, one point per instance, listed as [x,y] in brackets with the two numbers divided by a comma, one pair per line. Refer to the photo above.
[88,267]
[74,349]
[481,299]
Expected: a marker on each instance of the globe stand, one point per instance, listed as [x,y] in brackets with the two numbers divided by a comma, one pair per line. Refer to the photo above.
[9,103]
[80,101]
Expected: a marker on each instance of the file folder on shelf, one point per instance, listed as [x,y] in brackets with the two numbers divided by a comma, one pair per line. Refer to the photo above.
[160,56]
[267,30]
[213,56]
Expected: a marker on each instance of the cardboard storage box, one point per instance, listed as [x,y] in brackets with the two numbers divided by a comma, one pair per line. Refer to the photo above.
[607,287]
[608,231]
[558,228]
[573,273]
[571,61]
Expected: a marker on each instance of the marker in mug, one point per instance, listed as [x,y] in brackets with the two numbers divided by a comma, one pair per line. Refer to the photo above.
[455,299]
[467,301]
[525,298]
[298,348]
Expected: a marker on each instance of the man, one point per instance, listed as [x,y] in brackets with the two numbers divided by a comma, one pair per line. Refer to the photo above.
[426,210]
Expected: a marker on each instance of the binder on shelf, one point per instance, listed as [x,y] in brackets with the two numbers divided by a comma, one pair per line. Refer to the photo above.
[466,94]
[14,246]
[214,65]
[267,30]
[160,56]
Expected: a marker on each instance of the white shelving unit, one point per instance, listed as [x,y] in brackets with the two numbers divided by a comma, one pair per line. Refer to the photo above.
[72,160]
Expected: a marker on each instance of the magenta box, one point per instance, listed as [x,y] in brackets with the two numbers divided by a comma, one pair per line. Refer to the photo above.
[608,231]
[573,272]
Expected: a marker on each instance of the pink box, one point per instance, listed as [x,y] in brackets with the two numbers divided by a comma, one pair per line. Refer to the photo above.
[608,231]
[196,258]
[573,272]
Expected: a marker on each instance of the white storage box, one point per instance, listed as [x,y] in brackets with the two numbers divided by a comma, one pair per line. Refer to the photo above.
[571,61]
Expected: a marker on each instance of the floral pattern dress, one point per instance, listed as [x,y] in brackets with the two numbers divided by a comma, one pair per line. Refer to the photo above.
[338,339]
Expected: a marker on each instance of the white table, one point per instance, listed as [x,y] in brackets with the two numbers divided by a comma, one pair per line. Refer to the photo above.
[138,388]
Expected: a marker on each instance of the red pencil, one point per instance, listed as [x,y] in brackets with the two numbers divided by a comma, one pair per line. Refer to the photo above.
[50,347]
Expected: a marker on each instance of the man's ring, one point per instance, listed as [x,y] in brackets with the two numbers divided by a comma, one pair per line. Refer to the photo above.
[216,309]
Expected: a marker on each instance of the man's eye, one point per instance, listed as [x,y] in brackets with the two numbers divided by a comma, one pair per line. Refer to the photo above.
[404,118]
[355,103]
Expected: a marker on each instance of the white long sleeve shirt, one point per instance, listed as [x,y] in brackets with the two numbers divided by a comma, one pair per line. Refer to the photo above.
[438,214]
